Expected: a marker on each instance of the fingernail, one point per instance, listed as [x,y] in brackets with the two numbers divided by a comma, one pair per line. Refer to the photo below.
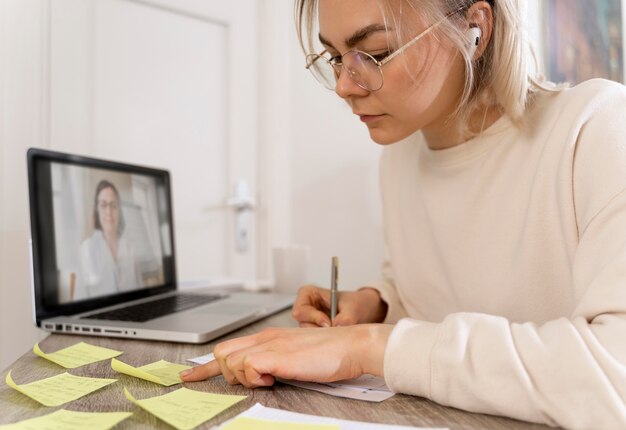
[186,372]
[325,324]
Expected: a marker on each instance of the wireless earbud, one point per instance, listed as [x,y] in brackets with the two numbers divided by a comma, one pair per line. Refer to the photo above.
[473,35]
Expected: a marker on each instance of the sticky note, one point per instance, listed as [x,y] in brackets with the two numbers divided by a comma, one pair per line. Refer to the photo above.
[71,420]
[77,355]
[246,423]
[59,389]
[185,409]
[162,372]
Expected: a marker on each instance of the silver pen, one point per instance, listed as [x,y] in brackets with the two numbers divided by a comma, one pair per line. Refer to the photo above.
[334,276]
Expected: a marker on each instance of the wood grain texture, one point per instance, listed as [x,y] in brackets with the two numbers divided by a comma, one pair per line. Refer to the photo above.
[400,409]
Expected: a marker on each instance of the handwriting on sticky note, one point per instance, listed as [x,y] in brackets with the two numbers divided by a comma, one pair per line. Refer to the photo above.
[71,420]
[59,389]
[162,372]
[245,423]
[184,408]
[77,355]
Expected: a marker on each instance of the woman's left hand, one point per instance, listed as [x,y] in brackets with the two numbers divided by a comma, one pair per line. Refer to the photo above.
[304,354]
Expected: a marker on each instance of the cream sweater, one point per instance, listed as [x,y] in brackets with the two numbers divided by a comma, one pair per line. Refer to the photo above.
[508,255]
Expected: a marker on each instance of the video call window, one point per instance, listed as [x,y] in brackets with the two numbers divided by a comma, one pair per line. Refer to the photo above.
[108,237]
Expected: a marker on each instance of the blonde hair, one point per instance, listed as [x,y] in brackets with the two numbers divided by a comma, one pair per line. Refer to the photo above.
[504,76]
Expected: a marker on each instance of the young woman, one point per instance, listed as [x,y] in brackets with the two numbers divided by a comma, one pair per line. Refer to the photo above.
[505,213]
[108,262]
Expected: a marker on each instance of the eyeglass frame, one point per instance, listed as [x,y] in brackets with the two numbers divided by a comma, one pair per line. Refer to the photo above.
[380,63]
[104,205]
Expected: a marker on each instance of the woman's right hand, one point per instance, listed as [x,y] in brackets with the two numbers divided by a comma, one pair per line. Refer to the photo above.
[312,307]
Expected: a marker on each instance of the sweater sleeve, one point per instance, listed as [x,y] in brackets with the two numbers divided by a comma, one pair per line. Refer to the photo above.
[389,294]
[569,371]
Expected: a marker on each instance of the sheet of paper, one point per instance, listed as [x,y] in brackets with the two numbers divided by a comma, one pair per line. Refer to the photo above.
[162,372]
[184,408]
[203,359]
[77,355]
[247,423]
[365,387]
[261,412]
[59,389]
[71,420]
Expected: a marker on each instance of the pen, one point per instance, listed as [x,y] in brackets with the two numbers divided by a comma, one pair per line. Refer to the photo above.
[334,275]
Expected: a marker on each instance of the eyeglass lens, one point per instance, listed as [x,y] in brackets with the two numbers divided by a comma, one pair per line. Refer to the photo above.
[104,205]
[361,67]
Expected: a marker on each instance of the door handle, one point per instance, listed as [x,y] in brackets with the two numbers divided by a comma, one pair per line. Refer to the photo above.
[243,204]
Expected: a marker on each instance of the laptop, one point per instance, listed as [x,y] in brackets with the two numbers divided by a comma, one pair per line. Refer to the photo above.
[103,259]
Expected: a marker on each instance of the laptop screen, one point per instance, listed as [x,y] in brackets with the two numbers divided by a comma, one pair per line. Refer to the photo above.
[101,231]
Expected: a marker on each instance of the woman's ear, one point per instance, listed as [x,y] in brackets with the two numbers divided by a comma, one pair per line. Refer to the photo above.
[479,18]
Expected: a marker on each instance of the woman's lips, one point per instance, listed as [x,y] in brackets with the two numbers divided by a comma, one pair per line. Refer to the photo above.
[370,118]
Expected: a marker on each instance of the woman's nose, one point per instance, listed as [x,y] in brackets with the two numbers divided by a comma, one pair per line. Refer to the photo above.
[346,87]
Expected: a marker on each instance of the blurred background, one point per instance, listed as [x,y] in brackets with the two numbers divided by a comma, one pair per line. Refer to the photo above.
[262,157]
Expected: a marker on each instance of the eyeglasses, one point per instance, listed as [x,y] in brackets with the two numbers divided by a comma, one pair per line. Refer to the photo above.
[104,205]
[364,69]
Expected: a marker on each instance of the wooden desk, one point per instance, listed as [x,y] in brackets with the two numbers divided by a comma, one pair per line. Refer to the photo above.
[400,409]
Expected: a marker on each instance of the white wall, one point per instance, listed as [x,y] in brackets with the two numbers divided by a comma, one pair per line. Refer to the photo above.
[320,163]
[334,191]
[274,181]
[534,27]
[20,108]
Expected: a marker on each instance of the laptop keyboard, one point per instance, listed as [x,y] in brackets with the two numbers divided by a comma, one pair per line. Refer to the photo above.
[147,311]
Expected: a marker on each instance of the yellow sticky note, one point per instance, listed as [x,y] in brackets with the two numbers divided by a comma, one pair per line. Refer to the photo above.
[59,389]
[77,355]
[71,420]
[162,372]
[247,423]
[185,409]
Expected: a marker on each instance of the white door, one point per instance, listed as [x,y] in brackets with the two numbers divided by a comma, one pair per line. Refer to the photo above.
[171,84]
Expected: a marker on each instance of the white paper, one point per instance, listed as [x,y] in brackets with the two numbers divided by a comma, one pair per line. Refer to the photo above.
[366,387]
[203,359]
[261,412]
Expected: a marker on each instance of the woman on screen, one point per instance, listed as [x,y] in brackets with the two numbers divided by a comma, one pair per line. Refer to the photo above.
[107,258]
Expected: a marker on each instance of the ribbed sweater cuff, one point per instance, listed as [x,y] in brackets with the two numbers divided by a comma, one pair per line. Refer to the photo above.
[407,357]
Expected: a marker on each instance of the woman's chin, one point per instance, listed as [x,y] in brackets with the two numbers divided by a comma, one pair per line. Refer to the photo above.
[109,231]
[384,137]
